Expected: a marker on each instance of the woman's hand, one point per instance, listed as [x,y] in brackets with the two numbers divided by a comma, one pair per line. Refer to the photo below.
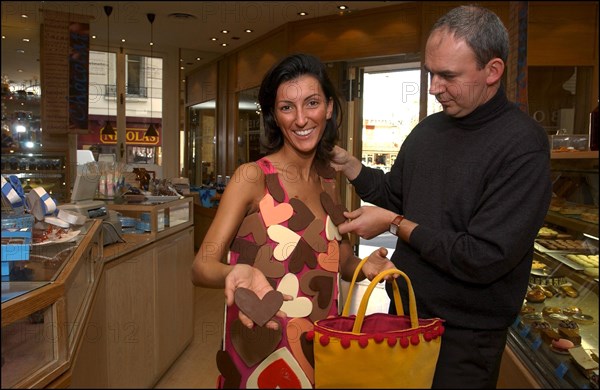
[377,263]
[244,275]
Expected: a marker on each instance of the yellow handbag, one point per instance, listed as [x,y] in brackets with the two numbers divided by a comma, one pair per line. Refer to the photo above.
[379,350]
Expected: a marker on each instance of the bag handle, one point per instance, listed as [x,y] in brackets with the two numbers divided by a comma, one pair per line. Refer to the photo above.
[412,302]
[396,292]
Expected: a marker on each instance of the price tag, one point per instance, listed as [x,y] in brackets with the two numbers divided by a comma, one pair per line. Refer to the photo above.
[561,370]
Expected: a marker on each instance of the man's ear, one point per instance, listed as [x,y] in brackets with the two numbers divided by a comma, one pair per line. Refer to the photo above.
[495,70]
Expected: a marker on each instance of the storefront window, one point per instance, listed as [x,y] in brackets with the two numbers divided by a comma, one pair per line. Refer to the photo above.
[143,105]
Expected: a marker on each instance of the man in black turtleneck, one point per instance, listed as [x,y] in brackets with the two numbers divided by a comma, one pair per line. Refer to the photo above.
[466,196]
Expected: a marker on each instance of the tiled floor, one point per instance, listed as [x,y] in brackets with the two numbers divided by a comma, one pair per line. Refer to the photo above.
[197,368]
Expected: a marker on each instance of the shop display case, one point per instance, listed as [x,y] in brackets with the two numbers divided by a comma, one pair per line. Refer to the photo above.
[43,307]
[157,216]
[46,169]
[565,270]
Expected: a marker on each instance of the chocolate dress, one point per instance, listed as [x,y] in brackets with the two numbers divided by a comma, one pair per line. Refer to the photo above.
[292,248]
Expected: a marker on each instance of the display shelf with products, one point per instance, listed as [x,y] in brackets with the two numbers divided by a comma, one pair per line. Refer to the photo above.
[562,298]
[47,169]
[155,218]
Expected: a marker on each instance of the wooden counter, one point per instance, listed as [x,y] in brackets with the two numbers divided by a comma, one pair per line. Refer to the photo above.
[134,320]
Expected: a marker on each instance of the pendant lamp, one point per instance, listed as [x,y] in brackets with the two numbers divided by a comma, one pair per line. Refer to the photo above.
[151,132]
[108,129]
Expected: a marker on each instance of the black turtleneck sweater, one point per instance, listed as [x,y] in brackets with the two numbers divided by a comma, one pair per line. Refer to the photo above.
[479,187]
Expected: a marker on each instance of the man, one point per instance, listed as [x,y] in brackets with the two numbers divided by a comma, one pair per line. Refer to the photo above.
[466,196]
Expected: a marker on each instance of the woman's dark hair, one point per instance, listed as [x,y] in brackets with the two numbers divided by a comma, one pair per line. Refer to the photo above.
[290,68]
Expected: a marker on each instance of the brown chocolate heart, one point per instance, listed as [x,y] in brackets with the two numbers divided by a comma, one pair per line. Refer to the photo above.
[246,249]
[320,285]
[302,215]
[335,211]
[274,187]
[302,254]
[307,348]
[270,267]
[312,235]
[253,224]
[324,169]
[259,310]
[254,345]
[231,375]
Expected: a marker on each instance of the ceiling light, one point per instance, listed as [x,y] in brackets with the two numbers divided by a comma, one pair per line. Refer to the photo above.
[24,16]
[25,39]
[214,39]
[302,13]
[198,59]
[225,31]
[223,44]
[248,30]
[342,7]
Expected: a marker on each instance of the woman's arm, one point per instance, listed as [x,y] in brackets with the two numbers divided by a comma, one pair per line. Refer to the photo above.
[242,194]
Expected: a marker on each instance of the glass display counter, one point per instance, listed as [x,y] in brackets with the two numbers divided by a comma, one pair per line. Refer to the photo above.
[43,301]
[565,271]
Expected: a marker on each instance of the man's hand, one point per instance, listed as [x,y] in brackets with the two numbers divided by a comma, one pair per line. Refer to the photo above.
[367,221]
[343,161]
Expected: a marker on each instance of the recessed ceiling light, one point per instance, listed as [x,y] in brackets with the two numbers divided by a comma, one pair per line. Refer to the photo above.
[342,7]
[20,51]
[248,30]
[25,39]
[225,31]
[198,59]
[123,40]
[24,16]
[93,37]
[223,44]
[302,13]
[214,39]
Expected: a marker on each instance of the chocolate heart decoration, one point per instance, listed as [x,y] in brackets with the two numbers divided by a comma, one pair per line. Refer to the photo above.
[302,254]
[253,345]
[270,267]
[246,249]
[231,374]
[295,330]
[274,214]
[259,310]
[330,260]
[302,217]
[274,187]
[320,285]
[278,371]
[324,169]
[307,348]
[252,224]
[312,235]
[335,211]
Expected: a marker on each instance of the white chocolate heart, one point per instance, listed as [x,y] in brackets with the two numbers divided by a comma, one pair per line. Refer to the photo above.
[297,307]
[286,240]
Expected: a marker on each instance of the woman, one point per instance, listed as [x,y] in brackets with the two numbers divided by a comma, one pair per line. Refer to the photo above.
[275,220]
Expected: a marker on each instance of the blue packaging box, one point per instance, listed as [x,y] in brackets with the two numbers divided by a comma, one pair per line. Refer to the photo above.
[16,245]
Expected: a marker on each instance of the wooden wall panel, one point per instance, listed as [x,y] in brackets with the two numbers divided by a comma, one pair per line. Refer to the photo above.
[255,60]
[378,32]
[562,33]
[201,85]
